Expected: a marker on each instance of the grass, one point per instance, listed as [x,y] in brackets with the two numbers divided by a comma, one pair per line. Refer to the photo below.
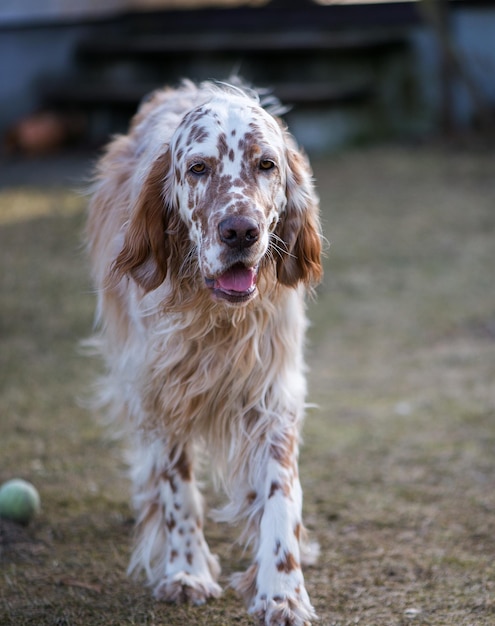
[398,464]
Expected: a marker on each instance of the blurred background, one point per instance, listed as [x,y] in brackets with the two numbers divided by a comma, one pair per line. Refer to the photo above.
[354,71]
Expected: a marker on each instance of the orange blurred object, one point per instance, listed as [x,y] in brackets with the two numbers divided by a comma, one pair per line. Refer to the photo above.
[44,133]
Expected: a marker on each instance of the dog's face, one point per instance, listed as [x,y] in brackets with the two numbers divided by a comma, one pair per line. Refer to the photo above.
[229,178]
[230,193]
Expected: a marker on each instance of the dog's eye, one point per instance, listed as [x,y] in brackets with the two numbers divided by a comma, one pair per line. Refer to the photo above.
[198,168]
[266,164]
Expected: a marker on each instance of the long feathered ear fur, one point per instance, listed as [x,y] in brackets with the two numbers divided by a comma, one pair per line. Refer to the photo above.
[155,235]
[299,227]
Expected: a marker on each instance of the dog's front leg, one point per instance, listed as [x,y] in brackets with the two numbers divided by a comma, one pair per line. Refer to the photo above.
[170,545]
[274,585]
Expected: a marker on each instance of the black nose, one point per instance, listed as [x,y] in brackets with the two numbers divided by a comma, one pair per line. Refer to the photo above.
[239,231]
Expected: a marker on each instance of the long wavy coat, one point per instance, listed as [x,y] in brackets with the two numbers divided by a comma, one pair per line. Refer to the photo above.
[204,236]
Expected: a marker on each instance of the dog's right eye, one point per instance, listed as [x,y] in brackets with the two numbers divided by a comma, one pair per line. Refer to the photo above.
[198,168]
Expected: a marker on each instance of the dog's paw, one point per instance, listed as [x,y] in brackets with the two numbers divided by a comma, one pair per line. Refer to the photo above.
[283,611]
[186,588]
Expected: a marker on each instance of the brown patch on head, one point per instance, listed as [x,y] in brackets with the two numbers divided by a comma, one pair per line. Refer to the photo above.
[197,134]
[196,114]
[250,148]
[216,193]
[189,557]
[219,190]
[222,145]
[288,563]
[156,237]
[173,555]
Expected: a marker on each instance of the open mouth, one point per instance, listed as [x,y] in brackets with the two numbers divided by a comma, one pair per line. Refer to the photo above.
[236,285]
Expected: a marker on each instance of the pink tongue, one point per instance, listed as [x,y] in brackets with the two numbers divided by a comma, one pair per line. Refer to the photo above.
[237,279]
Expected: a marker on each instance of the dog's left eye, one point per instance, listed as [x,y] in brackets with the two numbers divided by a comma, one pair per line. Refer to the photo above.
[266,164]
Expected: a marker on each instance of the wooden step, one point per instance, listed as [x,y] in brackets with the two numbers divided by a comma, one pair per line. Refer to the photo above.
[170,44]
[128,96]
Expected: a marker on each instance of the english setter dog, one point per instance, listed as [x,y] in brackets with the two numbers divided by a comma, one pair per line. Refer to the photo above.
[204,237]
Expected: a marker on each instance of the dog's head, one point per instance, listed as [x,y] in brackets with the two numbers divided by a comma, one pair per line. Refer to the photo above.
[232,192]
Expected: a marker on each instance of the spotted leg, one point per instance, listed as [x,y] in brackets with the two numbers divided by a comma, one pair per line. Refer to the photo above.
[170,545]
[274,585]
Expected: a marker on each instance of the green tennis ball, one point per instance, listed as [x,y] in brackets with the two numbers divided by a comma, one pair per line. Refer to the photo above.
[19,501]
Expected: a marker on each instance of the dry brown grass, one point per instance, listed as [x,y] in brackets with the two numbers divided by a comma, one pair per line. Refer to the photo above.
[398,465]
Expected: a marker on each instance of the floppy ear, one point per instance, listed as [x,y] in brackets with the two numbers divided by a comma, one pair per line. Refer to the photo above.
[299,227]
[154,234]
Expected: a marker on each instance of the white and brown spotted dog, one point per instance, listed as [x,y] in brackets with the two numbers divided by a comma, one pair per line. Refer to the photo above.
[204,236]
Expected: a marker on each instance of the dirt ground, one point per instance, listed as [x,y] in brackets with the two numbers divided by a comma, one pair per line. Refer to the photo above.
[398,465]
